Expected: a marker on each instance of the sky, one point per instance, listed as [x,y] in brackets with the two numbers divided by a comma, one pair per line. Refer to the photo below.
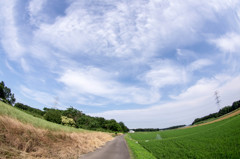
[148,63]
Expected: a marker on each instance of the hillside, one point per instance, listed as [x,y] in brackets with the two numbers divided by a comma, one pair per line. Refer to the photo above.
[25,136]
[213,120]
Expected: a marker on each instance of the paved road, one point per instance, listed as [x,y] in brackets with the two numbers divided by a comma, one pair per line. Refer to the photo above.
[116,149]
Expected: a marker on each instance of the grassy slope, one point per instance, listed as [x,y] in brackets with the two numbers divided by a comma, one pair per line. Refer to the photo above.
[37,122]
[217,140]
[25,136]
[212,120]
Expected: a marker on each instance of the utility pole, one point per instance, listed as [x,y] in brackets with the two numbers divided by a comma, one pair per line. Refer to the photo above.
[217,98]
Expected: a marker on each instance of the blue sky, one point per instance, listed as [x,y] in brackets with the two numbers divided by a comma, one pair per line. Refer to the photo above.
[148,63]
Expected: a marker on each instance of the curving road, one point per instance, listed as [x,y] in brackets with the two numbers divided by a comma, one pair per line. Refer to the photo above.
[116,149]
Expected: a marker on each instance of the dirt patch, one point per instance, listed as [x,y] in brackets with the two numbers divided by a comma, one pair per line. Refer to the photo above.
[18,140]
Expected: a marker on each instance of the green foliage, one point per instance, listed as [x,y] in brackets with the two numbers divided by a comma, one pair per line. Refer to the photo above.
[221,112]
[113,125]
[216,140]
[157,129]
[37,122]
[28,109]
[6,95]
[68,121]
[137,151]
[123,127]
[72,113]
[53,115]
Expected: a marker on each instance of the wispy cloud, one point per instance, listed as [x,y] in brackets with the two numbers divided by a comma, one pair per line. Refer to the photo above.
[164,73]
[10,39]
[25,65]
[195,102]
[199,64]
[163,56]
[39,96]
[228,43]
[9,67]
[99,83]
[35,8]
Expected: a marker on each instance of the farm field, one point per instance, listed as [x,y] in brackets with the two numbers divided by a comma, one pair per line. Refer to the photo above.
[217,140]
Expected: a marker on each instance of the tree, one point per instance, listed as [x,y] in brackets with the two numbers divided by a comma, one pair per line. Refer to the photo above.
[124,127]
[72,113]
[6,95]
[33,111]
[113,125]
[53,115]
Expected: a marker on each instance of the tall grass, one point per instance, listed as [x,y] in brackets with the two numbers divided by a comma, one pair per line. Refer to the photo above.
[8,110]
[19,140]
[25,136]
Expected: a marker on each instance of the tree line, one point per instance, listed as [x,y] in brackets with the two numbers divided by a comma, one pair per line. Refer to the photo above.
[69,117]
[157,129]
[223,111]
[75,118]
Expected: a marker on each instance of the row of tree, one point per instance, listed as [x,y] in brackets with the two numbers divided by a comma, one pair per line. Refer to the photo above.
[221,112]
[6,95]
[70,117]
[75,118]
[157,129]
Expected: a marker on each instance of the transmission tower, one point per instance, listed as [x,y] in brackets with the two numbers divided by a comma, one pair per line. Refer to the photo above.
[217,98]
[56,102]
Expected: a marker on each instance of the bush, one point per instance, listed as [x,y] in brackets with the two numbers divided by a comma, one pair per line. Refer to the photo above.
[68,121]
[53,115]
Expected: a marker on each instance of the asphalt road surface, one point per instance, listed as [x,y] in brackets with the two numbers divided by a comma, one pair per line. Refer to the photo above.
[116,149]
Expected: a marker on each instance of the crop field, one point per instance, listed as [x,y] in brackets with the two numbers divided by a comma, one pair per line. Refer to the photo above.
[217,140]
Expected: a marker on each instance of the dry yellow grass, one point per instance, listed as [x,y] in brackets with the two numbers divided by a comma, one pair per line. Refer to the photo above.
[18,140]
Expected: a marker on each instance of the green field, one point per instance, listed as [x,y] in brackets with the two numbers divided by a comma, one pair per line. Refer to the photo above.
[216,140]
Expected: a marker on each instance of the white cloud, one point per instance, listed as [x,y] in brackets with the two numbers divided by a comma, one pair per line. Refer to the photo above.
[196,101]
[103,53]
[92,81]
[165,73]
[228,43]
[199,64]
[9,67]
[140,27]
[25,65]
[39,96]
[35,6]
[9,32]
[36,15]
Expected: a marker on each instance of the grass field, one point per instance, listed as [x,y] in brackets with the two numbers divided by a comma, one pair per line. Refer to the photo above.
[137,151]
[217,140]
[35,121]
[25,136]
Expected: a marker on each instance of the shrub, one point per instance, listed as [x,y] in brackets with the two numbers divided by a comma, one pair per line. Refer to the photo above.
[68,121]
[53,115]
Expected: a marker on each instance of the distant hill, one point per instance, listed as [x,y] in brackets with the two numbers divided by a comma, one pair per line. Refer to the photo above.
[221,112]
